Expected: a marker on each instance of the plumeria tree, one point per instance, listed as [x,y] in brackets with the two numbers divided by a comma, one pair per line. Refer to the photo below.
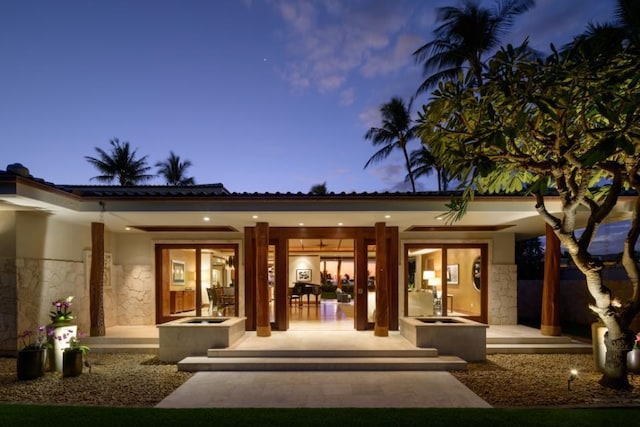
[567,130]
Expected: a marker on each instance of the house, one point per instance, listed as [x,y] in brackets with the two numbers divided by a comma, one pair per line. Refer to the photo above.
[164,246]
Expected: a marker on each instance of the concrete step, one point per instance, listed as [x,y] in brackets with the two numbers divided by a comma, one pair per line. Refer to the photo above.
[441,363]
[336,353]
[120,340]
[573,347]
[124,348]
[561,340]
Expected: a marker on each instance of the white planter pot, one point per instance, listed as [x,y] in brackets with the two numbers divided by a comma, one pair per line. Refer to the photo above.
[62,335]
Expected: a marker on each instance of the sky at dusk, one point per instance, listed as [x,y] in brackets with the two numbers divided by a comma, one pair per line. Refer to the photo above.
[260,95]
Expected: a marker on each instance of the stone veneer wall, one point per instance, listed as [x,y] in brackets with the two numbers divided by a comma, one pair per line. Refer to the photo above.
[8,302]
[28,288]
[503,294]
[135,294]
[42,281]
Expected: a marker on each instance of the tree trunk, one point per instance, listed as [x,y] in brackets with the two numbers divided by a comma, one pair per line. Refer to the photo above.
[615,366]
[618,340]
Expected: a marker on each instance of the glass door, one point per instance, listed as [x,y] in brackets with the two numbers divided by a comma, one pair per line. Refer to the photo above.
[446,280]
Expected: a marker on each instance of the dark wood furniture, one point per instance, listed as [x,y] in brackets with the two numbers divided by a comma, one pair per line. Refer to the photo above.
[180,301]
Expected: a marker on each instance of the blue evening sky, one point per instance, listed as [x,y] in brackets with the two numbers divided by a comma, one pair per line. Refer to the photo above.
[261,95]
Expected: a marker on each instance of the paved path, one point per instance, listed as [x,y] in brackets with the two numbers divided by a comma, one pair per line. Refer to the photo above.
[323,390]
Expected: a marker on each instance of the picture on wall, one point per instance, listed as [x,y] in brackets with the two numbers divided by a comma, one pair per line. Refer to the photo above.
[303,275]
[452,274]
[177,272]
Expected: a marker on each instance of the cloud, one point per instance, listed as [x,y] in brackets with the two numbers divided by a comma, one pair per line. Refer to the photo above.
[328,42]
[370,117]
[347,96]
[398,57]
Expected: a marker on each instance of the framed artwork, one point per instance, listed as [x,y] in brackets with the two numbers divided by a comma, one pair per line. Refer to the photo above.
[452,274]
[303,275]
[177,272]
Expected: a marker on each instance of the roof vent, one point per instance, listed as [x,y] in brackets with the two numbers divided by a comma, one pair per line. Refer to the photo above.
[18,169]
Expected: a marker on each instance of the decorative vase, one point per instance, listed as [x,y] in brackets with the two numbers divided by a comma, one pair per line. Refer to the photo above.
[31,363]
[72,363]
[633,361]
[62,333]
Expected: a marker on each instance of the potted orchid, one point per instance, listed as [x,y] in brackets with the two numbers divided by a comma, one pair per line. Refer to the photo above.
[63,328]
[32,358]
[73,355]
[62,313]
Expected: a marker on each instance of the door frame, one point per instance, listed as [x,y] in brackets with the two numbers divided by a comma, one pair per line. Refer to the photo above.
[279,236]
[484,269]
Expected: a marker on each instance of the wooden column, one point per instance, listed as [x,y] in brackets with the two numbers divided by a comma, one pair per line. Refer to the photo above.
[250,278]
[96,280]
[263,327]
[381,328]
[550,322]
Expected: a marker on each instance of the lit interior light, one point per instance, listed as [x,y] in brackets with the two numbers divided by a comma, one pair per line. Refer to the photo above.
[301,224]
[206,218]
[616,303]
[128,228]
[255,217]
[387,216]
[440,217]
[339,224]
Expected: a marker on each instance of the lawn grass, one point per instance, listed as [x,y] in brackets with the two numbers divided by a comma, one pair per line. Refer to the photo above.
[29,415]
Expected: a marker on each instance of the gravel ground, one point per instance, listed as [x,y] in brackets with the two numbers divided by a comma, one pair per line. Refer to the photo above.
[524,380]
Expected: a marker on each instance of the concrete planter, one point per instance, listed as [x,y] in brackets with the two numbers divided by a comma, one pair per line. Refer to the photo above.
[449,335]
[193,336]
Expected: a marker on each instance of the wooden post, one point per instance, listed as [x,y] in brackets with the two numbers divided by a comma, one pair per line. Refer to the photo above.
[550,322]
[381,328]
[96,280]
[263,326]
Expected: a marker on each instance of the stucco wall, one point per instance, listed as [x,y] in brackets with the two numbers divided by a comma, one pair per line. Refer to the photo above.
[45,237]
[502,247]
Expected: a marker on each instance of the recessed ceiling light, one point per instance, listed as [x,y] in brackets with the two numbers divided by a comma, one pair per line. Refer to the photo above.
[387,216]
[339,224]
[255,217]
[301,224]
[127,228]
[206,218]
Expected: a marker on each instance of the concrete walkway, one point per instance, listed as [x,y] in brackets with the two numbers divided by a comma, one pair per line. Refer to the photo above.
[313,389]
[323,390]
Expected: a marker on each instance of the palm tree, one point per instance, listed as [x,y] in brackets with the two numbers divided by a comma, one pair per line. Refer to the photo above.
[465,34]
[396,132]
[602,41]
[174,171]
[121,164]
[319,189]
[423,162]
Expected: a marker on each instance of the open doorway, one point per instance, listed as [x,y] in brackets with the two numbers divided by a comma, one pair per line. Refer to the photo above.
[321,284]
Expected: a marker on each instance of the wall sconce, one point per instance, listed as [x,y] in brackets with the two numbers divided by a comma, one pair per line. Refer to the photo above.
[573,374]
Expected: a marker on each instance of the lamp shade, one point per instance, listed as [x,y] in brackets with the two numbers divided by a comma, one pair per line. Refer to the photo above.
[428,274]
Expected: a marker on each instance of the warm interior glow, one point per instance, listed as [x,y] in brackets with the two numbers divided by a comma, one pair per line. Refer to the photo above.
[428,274]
